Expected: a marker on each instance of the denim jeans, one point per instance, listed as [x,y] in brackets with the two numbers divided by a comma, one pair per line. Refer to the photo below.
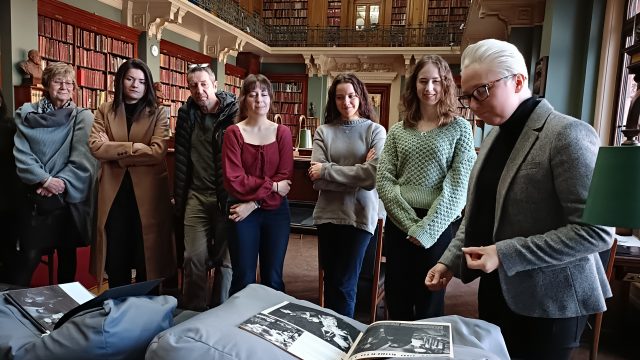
[341,249]
[264,234]
[407,265]
[201,220]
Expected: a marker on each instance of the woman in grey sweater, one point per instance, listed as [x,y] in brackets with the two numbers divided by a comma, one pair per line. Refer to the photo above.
[54,164]
[343,169]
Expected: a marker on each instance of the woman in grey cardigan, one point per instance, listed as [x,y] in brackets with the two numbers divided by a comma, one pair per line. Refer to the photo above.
[57,170]
[343,169]
[523,232]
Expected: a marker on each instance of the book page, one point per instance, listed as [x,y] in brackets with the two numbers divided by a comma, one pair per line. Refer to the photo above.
[77,292]
[404,339]
[303,331]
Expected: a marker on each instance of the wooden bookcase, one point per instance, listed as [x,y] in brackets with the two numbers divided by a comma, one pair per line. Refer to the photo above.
[334,13]
[95,46]
[285,12]
[448,15]
[289,100]
[399,12]
[174,63]
[233,78]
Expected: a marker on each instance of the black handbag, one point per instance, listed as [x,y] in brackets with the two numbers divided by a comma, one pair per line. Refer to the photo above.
[44,205]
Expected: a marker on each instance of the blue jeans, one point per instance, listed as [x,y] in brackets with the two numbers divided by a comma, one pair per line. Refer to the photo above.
[341,249]
[264,234]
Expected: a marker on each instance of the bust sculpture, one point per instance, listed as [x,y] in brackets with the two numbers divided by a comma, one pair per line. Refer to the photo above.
[157,86]
[32,67]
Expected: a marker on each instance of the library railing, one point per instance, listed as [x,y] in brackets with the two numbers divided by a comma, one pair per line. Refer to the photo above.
[439,34]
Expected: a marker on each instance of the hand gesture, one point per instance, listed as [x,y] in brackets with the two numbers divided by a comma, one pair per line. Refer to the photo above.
[55,186]
[483,258]
[314,171]
[371,155]
[282,187]
[239,212]
[438,277]
[103,137]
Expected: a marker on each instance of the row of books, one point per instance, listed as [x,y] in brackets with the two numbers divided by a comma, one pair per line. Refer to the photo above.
[55,29]
[91,99]
[398,3]
[289,108]
[287,96]
[55,50]
[89,58]
[232,89]
[288,87]
[114,62]
[174,78]
[90,78]
[173,63]
[446,3]
[285,13]
[91,40]
[174,93]
[287,21]
[284,5]
[292,120]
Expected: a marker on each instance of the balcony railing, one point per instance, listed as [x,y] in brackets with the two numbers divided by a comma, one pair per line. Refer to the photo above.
[432,35]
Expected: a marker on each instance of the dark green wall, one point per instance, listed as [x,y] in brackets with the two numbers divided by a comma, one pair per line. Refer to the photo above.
[15,17]
[180,40]
[96,7]
[571,37]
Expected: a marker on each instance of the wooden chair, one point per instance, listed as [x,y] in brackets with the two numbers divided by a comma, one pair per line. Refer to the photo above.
[597,323]
[377,285]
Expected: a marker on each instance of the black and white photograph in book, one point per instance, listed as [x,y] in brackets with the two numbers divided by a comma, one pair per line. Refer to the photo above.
[273,329]
[403,337]
[330,328]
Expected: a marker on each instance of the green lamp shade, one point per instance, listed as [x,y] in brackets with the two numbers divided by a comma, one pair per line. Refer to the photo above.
[614,195]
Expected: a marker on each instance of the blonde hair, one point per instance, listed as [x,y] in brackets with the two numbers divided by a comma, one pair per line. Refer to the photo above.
[500,55]
[54,70]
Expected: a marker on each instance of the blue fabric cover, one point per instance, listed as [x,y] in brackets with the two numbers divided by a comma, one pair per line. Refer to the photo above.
[120,329]
[214,334]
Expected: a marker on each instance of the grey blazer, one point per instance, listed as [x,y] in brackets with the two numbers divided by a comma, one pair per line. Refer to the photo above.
[549,266]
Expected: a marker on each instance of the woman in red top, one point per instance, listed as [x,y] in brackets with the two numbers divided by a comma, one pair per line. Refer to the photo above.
[257,159]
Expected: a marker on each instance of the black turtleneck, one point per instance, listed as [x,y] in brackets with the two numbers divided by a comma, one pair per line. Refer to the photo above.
[130,112]
[479,230]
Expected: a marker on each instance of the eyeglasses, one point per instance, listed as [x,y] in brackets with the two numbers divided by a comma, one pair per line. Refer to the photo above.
[59,83]
[481,93]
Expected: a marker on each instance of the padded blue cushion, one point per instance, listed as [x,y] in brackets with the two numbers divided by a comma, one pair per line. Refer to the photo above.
[120,329]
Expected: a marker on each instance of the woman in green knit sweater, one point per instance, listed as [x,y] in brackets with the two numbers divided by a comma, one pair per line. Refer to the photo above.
[422,180]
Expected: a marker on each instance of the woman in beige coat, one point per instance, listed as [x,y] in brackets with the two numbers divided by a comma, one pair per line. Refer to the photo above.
[129,137]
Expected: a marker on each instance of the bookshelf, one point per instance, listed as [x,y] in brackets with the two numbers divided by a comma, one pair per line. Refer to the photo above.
[95,46]
[477,125]
[334,9]
[174,63]
[289,100]
[448,15]
[233,78]
[399,12]
[285,12]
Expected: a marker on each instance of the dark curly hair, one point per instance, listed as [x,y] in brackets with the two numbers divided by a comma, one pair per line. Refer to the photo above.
[331,112]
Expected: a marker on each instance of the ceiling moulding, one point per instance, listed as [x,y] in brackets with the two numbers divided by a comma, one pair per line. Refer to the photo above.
[113,3]
[514,13]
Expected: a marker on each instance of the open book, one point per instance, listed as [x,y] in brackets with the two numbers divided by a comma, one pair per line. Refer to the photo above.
[44,306]
[49,307]
[315,334]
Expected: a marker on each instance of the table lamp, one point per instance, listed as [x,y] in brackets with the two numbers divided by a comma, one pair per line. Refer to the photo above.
[614,195]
